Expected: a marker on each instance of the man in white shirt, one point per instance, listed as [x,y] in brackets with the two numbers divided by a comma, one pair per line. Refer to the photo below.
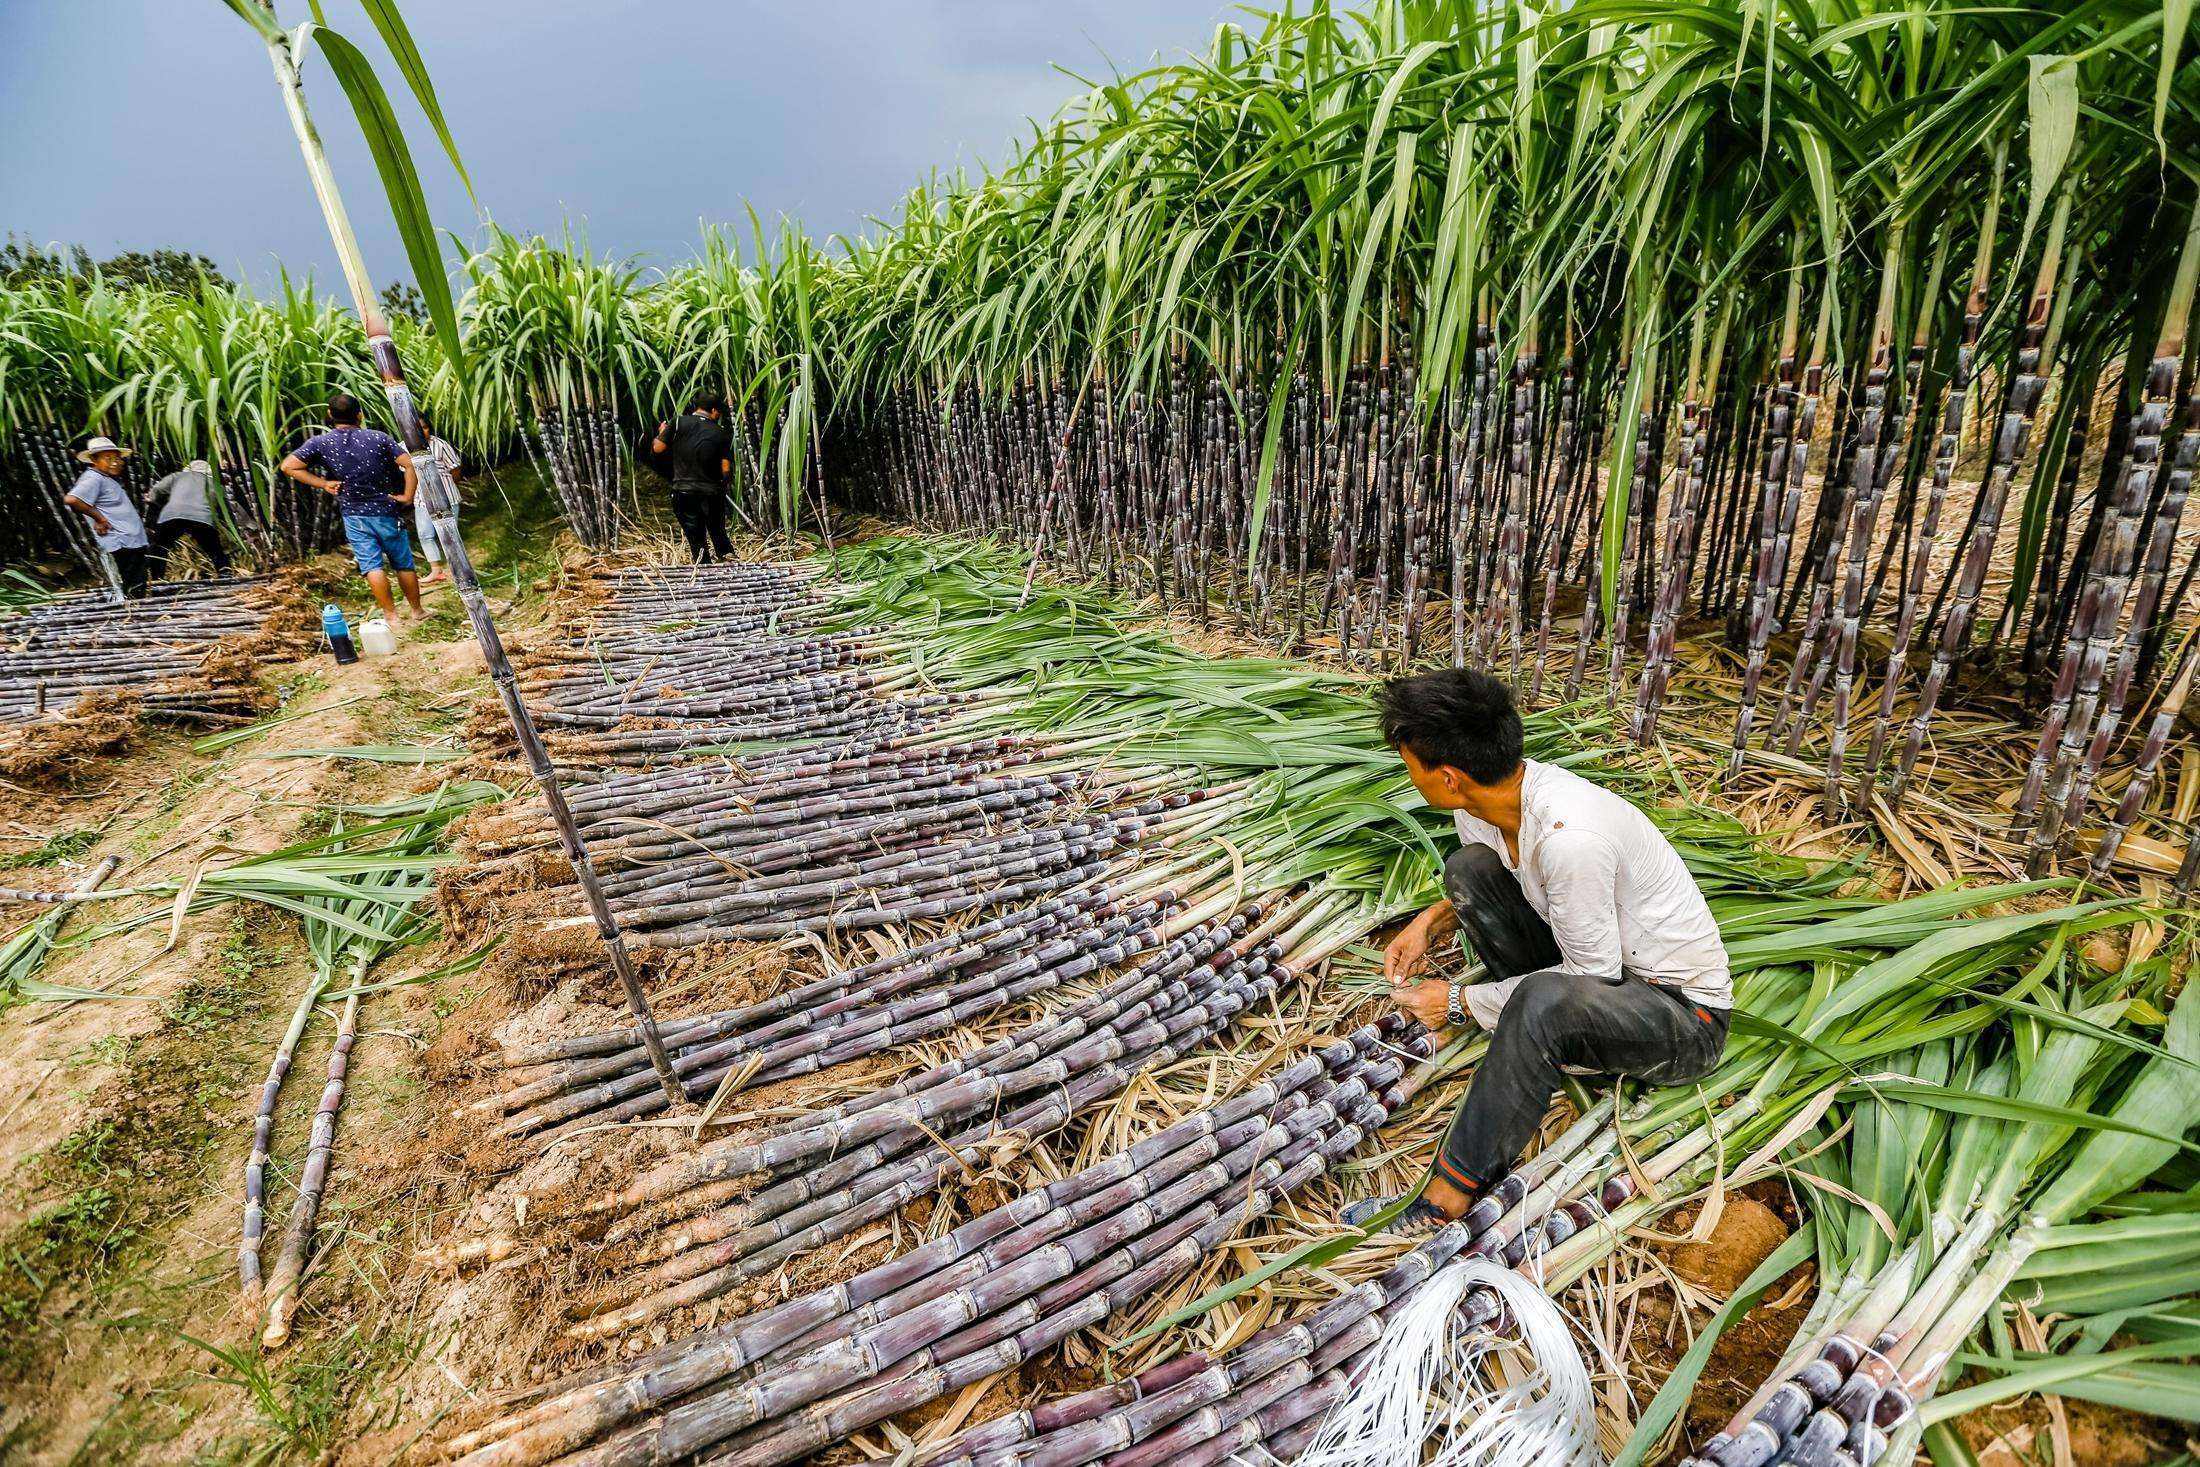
[424,527]
[1600,953]
[98,495]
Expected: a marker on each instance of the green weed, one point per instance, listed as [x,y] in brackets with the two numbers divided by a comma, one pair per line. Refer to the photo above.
[67,845]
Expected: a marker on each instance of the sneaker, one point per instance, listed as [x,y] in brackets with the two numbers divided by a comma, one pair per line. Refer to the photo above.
[1419,1217]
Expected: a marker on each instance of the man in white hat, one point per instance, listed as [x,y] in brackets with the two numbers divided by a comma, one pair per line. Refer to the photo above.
[183,509]
[99,496]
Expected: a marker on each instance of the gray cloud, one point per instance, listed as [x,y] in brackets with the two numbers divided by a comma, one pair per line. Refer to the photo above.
[140,123]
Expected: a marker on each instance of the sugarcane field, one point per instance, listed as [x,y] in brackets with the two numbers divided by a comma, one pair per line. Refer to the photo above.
[1376,733]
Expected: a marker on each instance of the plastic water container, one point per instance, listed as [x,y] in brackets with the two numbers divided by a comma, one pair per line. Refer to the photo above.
[339,635]
[376,639]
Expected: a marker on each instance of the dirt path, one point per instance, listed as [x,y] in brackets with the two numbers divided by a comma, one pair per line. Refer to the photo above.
[124,1123]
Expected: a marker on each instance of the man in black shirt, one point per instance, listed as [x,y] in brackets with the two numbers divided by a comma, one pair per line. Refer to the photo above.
[701,450]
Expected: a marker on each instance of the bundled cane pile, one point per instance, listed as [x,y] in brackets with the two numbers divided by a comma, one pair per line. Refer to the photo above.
[2056,1192]
[154,650]
[791,1380]
[1857,987]
[1022,985]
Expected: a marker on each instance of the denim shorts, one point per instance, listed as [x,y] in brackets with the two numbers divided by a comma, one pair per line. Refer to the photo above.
[377,539]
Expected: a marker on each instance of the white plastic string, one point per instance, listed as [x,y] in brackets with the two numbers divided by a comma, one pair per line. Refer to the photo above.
[1428,1381]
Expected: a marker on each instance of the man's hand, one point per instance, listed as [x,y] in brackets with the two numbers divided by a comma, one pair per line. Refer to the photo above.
[102,524]
[1428,1000]
[1408,951]
[332,486]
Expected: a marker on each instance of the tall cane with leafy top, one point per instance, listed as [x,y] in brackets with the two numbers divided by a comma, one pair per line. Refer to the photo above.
[394,161]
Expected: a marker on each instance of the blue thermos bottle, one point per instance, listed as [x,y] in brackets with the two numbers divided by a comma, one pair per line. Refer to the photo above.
[339,635]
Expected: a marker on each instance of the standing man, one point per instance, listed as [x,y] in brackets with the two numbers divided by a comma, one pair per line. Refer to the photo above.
[424,527]
[185,511]
[1600,951]
[98,495]
[701,449]
[372,478]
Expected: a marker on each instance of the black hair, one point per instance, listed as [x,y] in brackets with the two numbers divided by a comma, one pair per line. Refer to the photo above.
[705,402]
[1456,717]
[343,409]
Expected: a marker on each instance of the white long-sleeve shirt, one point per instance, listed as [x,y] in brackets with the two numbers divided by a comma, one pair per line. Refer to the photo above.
[1615,892]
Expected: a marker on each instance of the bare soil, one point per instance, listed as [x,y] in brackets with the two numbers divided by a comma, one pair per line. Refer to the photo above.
[126,1120]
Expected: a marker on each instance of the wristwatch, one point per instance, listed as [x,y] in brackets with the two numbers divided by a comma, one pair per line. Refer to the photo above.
[1455,1010]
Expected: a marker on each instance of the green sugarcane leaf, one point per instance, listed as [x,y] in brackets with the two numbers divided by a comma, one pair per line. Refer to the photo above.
[1270,441]
[370,104]
[2176,19]
[258,16]
[1946,1446]
[390,22]
[2132,1379]
[1681,1384]
[2009,1108]
[2107,1165]
[2051,97]
[1619,484]
[215,743]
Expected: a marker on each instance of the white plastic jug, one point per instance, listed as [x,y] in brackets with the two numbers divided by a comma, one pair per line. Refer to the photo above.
[376,639]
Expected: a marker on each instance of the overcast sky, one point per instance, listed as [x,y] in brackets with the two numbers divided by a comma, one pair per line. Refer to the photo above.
[131,124]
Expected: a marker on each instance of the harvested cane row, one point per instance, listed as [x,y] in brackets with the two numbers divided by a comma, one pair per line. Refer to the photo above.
[792,1380]
[1041,1006]
[157,650]
[1108,948]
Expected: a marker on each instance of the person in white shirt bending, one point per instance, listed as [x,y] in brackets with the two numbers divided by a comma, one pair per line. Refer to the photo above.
[1599,951]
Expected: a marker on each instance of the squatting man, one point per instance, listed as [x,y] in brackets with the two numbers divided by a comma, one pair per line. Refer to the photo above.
[1601,955]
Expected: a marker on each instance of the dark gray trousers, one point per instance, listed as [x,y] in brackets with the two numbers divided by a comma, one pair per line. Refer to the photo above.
[1622,1025]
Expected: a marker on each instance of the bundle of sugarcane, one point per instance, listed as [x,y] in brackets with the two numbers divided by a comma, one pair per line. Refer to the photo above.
[2055,1215]
[59,650]
[1573,1201]
[933,988]
[684,1233]
[793,1379]
[712,660]
[1182,973]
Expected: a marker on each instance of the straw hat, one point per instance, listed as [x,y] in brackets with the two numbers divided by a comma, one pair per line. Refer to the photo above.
[198,466]
[99,446]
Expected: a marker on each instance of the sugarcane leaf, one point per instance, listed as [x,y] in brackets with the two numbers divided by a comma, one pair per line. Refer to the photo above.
[2176,20]
[1271,440]
[370,104]
[1797,1247]
[1619,484]
[2106,1165]
[389,21]
[2132,1378]
[2010,1108]
[258,16]
[2051,97]
[1946,1446]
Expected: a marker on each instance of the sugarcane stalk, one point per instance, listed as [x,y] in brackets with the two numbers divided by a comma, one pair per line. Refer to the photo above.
[443,515]
[285,1280]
